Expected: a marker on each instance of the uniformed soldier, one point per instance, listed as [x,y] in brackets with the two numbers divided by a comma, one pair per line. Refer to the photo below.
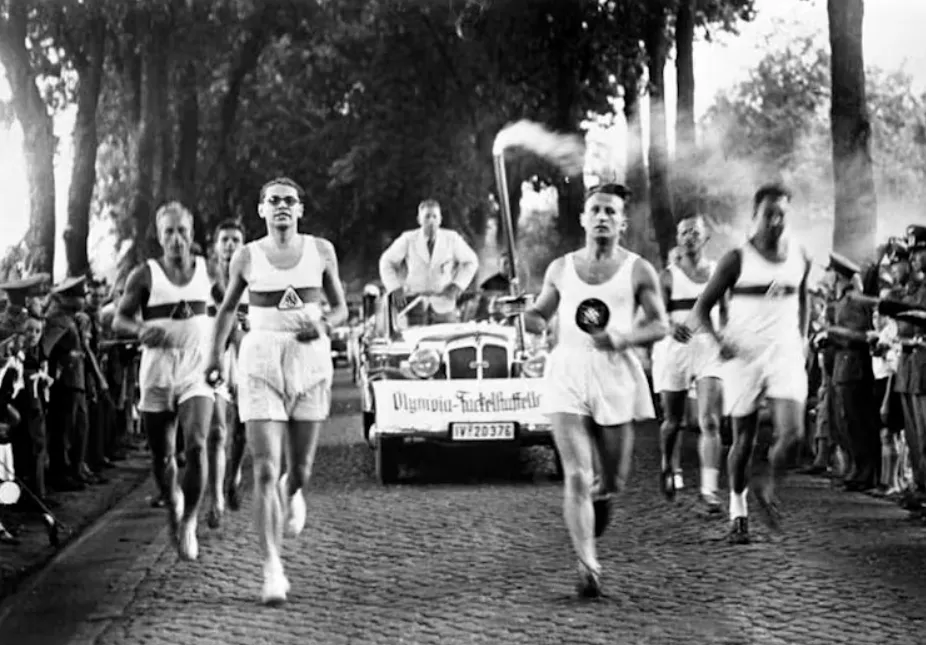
[21,297]
[916,295]
[854,409]
[67,423]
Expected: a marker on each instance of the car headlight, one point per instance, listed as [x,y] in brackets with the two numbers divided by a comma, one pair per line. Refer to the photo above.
[424,363]
[534,364]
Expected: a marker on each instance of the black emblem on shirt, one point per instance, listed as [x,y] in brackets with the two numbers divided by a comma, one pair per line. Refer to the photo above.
[592,315]
[182,311]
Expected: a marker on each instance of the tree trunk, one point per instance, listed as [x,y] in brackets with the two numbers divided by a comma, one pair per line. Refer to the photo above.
[89,63]
[657,45]
[246,59]
[38,138]
[188,147]
[856,205]
[639,237]
[571,190]
[151,126]
[685,80]
[686,185]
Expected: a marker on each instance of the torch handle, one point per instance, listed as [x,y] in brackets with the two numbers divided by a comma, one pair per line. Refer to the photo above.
[504,203]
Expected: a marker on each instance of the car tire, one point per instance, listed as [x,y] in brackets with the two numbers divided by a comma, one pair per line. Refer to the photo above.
[387,452]
[368,419]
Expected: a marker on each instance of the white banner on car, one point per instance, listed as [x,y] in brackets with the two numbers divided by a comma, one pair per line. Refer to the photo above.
[484,404]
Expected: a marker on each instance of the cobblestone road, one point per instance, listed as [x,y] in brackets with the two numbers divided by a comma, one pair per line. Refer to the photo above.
[468,554]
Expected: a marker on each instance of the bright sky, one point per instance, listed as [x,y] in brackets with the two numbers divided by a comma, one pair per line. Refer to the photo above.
[893,39]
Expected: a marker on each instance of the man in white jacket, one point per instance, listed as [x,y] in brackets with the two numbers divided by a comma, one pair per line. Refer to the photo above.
[428,260]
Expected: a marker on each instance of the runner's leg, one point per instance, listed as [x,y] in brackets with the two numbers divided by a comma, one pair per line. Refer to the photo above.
[195,415]
[673,410]
[161,428]
[266,439]
[575,445]
[710,410]
[215,448]
[236,458]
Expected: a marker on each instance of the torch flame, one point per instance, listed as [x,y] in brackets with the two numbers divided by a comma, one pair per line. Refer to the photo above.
[566,151]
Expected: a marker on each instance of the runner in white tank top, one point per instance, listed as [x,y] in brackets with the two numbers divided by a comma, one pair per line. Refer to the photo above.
[764,346]
[173,294]
[593,374]
[229,237]
[683,359]
[285,368]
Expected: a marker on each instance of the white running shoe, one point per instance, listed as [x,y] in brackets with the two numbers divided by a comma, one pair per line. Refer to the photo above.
[188,546]
[276,586]
[295,514]
[679,481]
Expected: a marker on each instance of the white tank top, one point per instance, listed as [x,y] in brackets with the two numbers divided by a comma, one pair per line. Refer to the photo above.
[182,311]
[765,303]
[685,293]
[278,299]
[583,303]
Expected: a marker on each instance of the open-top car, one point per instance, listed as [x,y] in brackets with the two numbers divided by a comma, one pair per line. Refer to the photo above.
[474,382]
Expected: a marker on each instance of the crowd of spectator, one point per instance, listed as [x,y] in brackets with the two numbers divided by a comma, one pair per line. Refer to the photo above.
[868,367]
[67,389]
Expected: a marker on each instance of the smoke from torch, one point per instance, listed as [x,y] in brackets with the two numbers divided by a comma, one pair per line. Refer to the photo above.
[565,151]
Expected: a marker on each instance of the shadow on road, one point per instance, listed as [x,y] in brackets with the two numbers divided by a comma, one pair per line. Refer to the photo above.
[352,466]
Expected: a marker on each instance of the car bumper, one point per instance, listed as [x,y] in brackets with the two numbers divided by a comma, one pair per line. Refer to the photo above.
[461,411]
[527,434]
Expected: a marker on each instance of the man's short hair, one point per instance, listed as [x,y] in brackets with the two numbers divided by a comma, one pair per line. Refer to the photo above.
[282,181]
[773,191]
[428,203]
[172,208]
[618,190]
[229,225]
[688,214]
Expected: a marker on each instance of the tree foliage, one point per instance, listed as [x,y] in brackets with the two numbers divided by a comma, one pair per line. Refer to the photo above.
[776,124]
[372,105]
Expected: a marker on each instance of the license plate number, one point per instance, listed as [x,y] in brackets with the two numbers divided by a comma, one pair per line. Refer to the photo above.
[481,431]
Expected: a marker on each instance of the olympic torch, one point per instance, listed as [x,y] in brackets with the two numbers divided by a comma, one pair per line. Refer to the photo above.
[565,151]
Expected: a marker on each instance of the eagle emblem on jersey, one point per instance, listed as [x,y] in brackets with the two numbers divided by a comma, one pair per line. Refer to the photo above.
[290,300]
[182,311]
[592,315]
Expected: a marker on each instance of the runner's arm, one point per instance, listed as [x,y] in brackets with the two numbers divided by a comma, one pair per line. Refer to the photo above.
[804,300]
[724,309]
[655,323]
[722,280]
[665,285]
[227,312]
[537,315]
[331,283]
[134,297]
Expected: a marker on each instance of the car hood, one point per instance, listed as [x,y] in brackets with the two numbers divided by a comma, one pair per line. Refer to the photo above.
[450,331]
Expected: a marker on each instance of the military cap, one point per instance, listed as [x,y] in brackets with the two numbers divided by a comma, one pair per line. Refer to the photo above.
[896,250]
[843,265]
[18,290]
[73,286]
[916,237]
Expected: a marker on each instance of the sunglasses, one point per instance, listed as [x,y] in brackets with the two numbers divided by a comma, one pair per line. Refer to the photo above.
[276,201]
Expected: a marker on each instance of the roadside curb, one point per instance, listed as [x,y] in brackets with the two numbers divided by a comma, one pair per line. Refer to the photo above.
[130,476]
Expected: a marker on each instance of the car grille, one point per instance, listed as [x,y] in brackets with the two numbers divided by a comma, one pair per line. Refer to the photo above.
[464,361]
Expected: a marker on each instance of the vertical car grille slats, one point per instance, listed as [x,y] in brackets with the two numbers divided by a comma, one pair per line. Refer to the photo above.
[477,360]
[494,361]
[459,360]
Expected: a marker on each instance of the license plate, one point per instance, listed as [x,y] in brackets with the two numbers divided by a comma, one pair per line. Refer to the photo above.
[481,431]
